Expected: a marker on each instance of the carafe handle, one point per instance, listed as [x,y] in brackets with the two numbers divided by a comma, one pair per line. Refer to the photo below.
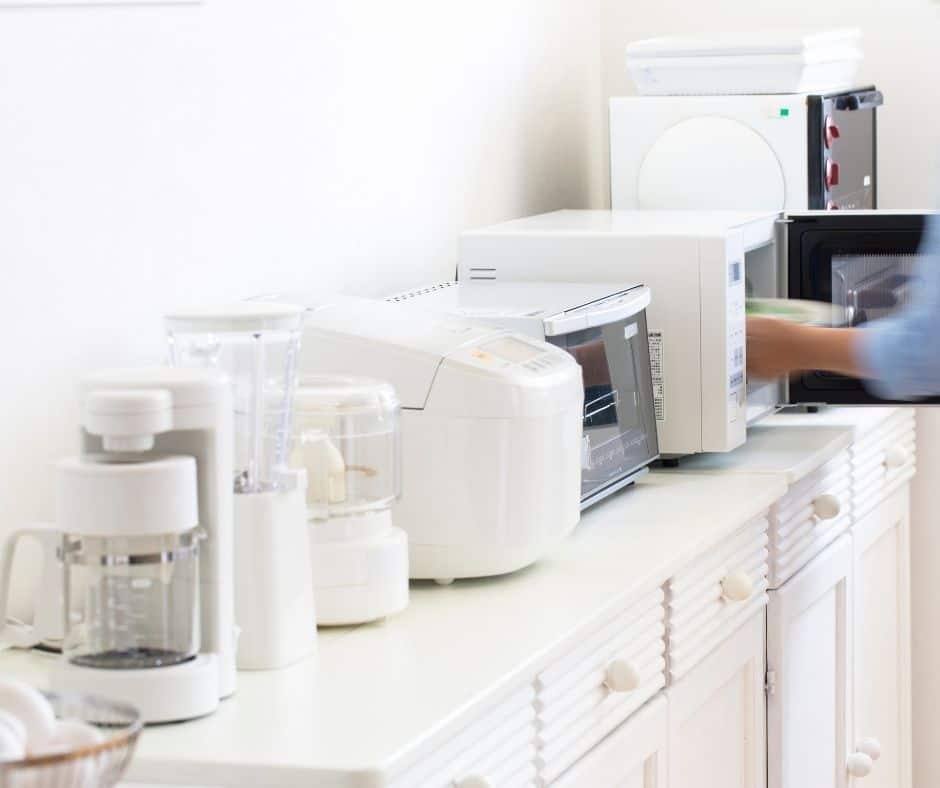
[49,618]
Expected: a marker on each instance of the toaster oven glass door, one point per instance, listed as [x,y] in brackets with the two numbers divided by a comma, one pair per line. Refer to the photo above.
[863,263]
[619,435]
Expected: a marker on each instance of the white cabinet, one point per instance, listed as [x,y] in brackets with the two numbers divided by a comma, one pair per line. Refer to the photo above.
[633,756]
[717,716]
[882,684]
[809,641]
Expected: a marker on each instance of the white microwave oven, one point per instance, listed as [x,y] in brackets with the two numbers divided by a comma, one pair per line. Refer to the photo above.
[603,326]
[701,266]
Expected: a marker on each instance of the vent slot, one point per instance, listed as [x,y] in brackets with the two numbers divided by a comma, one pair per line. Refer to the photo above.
[419,292]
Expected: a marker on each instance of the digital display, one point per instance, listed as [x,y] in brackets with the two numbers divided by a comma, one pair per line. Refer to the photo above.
[513,350]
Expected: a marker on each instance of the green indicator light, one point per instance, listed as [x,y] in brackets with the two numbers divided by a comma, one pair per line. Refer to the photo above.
[784,112]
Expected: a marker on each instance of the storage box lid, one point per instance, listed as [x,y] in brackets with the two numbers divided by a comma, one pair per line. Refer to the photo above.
[749,44]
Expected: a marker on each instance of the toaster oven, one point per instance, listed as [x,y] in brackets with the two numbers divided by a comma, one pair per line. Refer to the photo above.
[604,327]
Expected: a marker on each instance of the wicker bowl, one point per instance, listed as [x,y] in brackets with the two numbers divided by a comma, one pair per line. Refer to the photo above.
[100,766]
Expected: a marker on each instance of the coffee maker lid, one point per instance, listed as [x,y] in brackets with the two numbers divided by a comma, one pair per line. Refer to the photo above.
[107,495]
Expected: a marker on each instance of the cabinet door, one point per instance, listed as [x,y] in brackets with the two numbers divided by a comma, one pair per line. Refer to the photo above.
[882,649]
[808,673]
[633,756]
[717,716]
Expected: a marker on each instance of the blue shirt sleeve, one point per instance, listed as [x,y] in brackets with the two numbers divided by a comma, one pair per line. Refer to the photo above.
[902,351]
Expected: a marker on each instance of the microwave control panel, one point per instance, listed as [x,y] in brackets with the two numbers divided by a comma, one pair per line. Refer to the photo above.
[736,338]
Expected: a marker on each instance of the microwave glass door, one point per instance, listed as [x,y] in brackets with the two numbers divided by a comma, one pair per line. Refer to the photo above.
[866,265]
[619,422]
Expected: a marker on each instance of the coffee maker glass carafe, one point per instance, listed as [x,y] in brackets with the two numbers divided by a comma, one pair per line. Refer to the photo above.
[140,600]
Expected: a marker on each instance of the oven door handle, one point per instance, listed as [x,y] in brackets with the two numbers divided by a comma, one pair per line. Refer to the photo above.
[868,99]
[629,305]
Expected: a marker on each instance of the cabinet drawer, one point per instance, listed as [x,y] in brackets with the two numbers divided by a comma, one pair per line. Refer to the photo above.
[498,748]
[588,692]
[633,755]
[813,513]
[882,461]
[713,596]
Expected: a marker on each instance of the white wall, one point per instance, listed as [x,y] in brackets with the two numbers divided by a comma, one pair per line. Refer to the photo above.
[157,155]
[901,58]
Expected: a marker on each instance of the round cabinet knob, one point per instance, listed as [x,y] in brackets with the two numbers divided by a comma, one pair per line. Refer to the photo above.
[621,676]
[827,507]
[871,747]
[895,457]
[474,781]
[737,587]
[859,764]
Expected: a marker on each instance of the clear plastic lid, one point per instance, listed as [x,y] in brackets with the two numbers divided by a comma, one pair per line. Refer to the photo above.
[346,435]
[256,345]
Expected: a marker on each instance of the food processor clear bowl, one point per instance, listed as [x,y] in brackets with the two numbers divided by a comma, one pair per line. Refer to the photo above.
[346,435]
[256,345]
[141,600]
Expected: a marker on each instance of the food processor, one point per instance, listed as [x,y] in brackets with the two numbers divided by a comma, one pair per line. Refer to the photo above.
[346,435]
[144,531]
[256,346]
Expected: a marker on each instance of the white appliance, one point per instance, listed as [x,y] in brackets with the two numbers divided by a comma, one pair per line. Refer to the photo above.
[256,346]
[753,62]
[346,436]
[604,328]
[694,264]
[490,424]
[144,531]
[701,266]
[756,152]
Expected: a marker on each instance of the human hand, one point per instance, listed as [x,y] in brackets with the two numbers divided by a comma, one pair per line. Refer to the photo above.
[774,347]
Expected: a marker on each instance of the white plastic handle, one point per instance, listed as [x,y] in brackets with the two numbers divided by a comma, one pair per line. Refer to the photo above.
[895,457]
[827,507]
[23,635]
[474,781]
[737,587]
[859,764]
[621,676]
[871,747]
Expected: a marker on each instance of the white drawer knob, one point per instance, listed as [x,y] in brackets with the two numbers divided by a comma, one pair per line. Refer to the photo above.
[895,457]
[871,747]
[859,764]
[737,587]
[474,781]
[621,676]
[827,507]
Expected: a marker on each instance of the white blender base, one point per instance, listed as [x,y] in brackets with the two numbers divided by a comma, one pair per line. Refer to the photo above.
[361,580]
[170,694]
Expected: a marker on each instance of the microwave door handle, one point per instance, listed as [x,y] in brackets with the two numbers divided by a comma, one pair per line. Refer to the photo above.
[868,99]
[620,310]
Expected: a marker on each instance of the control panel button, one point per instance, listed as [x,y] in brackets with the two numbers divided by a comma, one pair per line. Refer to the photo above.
[832,174]
[831,132]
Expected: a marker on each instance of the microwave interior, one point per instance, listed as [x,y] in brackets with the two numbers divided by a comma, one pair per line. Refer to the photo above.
[763,279]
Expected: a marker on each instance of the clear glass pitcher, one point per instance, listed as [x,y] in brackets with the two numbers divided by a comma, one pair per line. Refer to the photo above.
[140,597]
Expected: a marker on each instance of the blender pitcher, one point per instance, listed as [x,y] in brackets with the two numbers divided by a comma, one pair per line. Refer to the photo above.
[256,345]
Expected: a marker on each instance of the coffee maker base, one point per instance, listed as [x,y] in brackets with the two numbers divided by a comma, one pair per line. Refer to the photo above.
[165,694]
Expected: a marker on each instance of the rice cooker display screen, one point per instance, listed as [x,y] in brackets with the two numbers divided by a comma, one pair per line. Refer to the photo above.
[513,350]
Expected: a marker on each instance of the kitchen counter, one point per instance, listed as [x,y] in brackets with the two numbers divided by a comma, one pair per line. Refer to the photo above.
[376,697]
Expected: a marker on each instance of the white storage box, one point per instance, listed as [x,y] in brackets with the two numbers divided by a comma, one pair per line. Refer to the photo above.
[745,63]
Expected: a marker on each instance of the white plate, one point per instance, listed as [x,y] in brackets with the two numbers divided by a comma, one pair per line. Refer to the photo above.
[810,313]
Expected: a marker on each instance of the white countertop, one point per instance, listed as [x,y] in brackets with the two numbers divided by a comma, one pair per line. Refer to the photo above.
[376,694]
[791,450]
[859,420]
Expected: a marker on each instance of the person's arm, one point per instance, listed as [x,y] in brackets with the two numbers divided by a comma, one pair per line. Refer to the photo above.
[775,347]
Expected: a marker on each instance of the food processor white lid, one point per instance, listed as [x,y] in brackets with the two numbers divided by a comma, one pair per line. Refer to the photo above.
[105,495]
[346,394]
[239,316]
